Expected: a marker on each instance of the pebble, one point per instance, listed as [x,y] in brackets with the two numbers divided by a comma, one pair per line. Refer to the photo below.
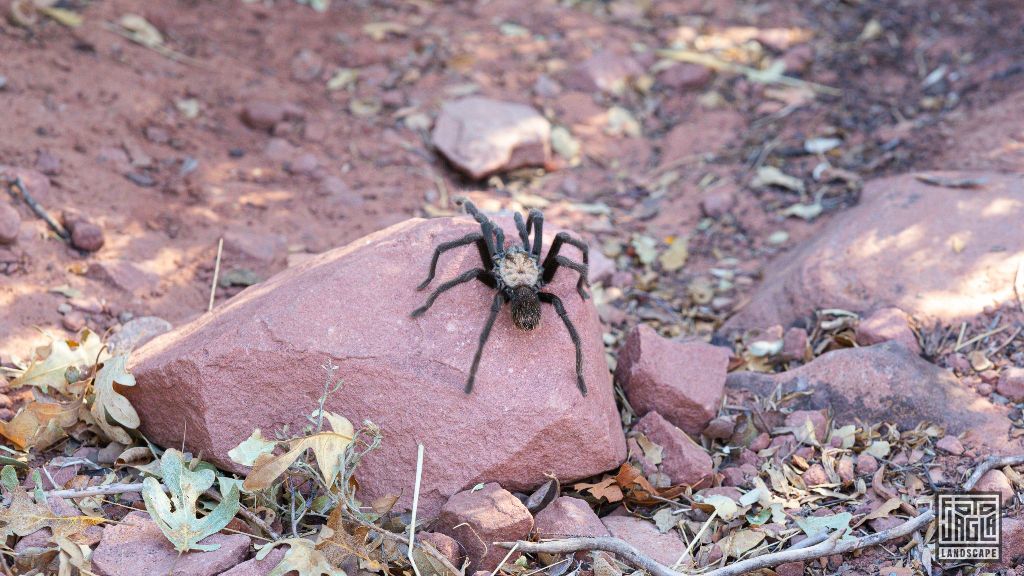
[950,444]
[73,321]
[141,179]
[866,465]
[718,201]
[47,163]
[304,164]
[262,115]
[86,236]
[10,224]
[3,82]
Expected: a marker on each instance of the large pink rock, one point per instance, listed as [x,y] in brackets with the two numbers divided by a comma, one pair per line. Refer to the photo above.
[256,363]
[568,517]
[136,547]
[683,381]
[887,383]
[482,136]
[479,518]
[935,252]
[682,460]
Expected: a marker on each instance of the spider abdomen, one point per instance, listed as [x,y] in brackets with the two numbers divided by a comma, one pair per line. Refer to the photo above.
[525,307]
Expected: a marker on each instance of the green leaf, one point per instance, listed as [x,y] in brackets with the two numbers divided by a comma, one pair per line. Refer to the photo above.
[181,525]
[814,525]
[251,448]
[302,557]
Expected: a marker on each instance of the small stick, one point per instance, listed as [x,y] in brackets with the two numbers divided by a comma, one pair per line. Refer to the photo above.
[980,337]
[415,505]
[505,559]
[990,463]
[38,209]
[216,273]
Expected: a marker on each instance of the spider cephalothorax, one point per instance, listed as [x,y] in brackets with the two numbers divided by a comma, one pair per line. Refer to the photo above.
[518,274]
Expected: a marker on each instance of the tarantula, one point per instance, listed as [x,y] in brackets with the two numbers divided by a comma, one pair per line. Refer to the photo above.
[517,274]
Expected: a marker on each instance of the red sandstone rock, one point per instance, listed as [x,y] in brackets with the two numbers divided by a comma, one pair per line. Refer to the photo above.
[479,518]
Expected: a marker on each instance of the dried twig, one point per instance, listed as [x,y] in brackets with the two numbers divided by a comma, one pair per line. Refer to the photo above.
[216,273]
[830,546]
[990,463]
[38,209]
[415,506]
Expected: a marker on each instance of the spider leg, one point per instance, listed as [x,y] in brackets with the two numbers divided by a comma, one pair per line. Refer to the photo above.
[536,219]
[474,274]
[524,231]
[553,261]
[499,238]
[557,303]
[443,247]
[499,299]
[488,230]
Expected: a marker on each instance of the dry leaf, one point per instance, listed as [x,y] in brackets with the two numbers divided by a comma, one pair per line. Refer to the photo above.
[739,542]
[251,448]
[328,447]
[108,405]
[675,257]
[772,176]
[49,368]
[302,557]
[39,425]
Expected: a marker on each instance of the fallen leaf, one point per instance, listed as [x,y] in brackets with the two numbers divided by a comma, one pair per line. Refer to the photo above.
[652,452]
[380,30]
[821,145]
[563,143]
[302,557]
[181,525]
[328,447]
[881,511]
[622,123]
[23,515]
[645,248]
[772,176]
[141,31]
[108,405]
[739,542]
[50,368]
[665,520]
[251,448]
[40,425]
[879,449]
[804,211]
[606,489]
[675,257]
[815,525]
[725,507]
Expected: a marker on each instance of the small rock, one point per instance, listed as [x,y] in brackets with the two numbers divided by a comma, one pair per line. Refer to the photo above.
[888,324]
[85,235]
[798,58]
[568,517]
[137,332]
[254,567]
[684,76]
[73,321]
[604,71]
[817,418]
[479,518]
[481,136]
[718,201]
[109,453]
[304,164]
[279,150]
[795,345]
[815,476]
[262,115]
[242,246]
[157,135]
[845,470]
[996,481]
[790,569]
[444,544]
[683,460]
[645,537]
[866,464]
[762,441]
[3,82]
[47,163]
[720,428]
[141,179]
[950,444]
[137,547]
[306,66]
[684,380]
[10,224]
[1011,383]
[124,275]
[545,87]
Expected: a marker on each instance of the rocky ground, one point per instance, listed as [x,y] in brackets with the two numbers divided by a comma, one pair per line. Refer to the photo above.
[804,266]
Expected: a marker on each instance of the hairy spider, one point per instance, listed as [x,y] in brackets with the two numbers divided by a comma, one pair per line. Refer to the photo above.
[517,274]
